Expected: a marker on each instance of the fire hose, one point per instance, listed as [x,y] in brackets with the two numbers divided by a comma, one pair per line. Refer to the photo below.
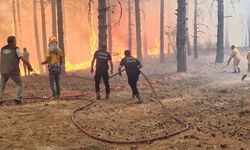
[73,115]
[73,118]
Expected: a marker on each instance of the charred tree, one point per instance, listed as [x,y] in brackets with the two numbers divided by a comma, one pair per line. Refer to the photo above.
[162,32]
[61,31]
[129,26]
[181,36]
[102,23]
[14,17]
[220,33]
[44,35]
[38,50]
[138,29]
[195,29]
[65,27]
[188,45]
[19,20]
[145,40]
[109,27]
[53,10]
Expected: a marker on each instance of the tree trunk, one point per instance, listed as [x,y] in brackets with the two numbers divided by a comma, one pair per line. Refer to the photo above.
[43,16]
[60,31]
[109,27]
[195,29]
[138,29]
[220,33]
[53,10]
[14,17]
[162,32]
[102,23]
[129,26]
[188,45]
[181,36]
[38,50]
[65,28]
[19,22]
[145,40]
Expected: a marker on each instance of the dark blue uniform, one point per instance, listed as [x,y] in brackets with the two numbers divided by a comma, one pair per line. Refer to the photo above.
[132,69]
[102,67]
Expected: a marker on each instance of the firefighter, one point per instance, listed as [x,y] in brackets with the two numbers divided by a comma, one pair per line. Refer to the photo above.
[10,58]
[26,55]
[54,59]
[102,58]
[236,55]
[132,67]
[248,70]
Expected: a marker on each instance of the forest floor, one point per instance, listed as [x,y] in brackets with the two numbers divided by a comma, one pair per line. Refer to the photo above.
[215,102]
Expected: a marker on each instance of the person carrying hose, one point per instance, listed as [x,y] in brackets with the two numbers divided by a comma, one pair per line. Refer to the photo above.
[248,70]
[236,55]
[102,58]
[132,67]
[10,58]
[54,59]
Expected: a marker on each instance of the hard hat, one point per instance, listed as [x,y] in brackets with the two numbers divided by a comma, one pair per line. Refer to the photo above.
[52,39]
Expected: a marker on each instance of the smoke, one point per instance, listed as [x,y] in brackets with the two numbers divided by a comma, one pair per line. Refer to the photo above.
[77,29]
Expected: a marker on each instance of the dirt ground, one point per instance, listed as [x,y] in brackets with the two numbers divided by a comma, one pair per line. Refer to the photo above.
[215,102]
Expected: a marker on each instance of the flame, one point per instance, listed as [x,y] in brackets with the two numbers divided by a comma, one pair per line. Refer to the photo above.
[155,51]
[75,67]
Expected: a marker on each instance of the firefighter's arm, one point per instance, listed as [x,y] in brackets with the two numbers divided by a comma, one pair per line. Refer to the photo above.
[231,57]
[46,61]
[120,70]
[111,66]
[26,62]
[92,65]
[140,66]
[47,58]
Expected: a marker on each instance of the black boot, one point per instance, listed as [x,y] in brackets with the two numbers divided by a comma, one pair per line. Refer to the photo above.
[243,77]
[98,95]
[239,70]
[140,101]
[1,101]
[18,101]
[133,95]
[107,96]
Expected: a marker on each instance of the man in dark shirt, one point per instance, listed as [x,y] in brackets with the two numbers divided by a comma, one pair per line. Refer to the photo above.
[102,58]
[10,58]
[132,67]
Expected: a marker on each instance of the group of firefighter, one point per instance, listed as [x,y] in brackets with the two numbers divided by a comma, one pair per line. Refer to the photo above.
[102,60]
[11,56]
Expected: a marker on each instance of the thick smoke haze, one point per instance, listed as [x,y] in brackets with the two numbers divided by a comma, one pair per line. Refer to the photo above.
[78,31]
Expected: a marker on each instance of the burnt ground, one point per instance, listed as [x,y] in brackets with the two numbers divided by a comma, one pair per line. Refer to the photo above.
[215,102]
